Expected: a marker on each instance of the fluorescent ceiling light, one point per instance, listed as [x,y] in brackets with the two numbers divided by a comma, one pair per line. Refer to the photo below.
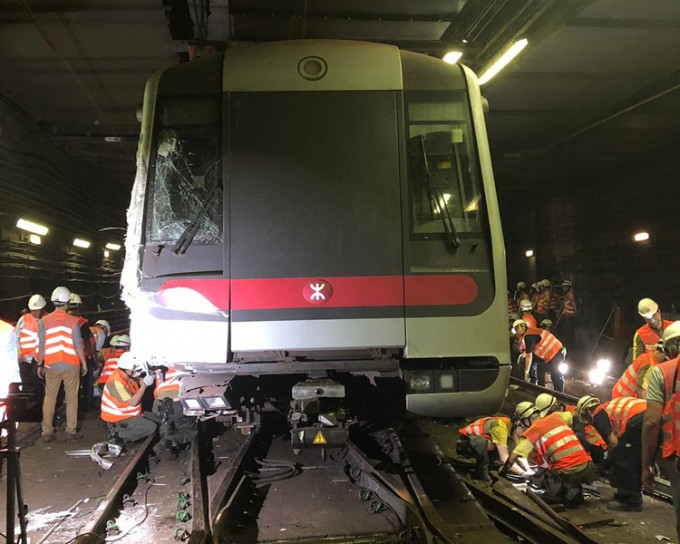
[112,246]
[106,254]
[32,227]
[641,236]
[35,239]
[529,252]
[452,57]
[78,242]
[504,59]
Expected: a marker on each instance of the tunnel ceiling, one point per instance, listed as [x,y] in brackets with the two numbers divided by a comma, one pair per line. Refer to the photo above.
[595,91]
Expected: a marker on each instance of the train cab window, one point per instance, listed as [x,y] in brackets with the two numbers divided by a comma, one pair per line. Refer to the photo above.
[186,173]
[446,194]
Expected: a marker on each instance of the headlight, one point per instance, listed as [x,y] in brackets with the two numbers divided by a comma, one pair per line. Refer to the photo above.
[420,383]
[183,298]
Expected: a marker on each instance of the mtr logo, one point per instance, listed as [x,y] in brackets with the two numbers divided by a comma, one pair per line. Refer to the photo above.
[317,292]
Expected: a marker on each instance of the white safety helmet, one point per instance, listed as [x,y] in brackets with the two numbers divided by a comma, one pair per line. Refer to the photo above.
[671,339]
[517,323]
[61,295]
[104,324]
[544,402]
[545,283]
[521,285]
[36,302]
[525,305]
[584,405]
[647,307]
[75,299]
[121,341]
[525,410]
[546,324]
[566,283]
[127,361]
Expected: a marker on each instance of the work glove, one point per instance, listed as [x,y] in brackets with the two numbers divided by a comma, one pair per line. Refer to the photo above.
[148,380]
[563,351]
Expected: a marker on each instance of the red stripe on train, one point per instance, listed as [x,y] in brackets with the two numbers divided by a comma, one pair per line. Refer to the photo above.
[347,292]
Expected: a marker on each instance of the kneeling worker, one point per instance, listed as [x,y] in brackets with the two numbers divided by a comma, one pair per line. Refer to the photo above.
[483,437]
[552,439]
[121,404]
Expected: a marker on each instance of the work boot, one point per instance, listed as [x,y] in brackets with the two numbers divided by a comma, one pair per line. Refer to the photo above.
[620,506]
[113,438]
[74,437]
[483,475]
[47,438]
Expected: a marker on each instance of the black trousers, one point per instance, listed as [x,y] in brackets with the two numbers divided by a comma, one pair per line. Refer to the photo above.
[555,375]
[596,452]
[627,463]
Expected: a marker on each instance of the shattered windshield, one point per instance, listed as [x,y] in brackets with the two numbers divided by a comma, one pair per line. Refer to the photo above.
[186,170]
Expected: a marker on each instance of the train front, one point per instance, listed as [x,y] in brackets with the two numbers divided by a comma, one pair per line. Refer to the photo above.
[323,210]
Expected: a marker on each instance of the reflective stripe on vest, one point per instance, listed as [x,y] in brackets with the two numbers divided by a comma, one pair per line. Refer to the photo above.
[594,438]
[649,337]
[28,337]
[556,443]
[114,411]
[569,308]
[671,379]
[625,386]
[548,346]
[59,348]
[110,365]
[621,410]
[543,303]
[169,387]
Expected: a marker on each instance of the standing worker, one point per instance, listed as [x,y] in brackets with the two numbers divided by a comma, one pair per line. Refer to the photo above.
[525,311]
[647,336]
[543,349]
[121,406]
[620,422]
[61,359]
[86,381]
[663,398]
[569,311]
[633,382]
[27,333]
[9,367]
[551,439]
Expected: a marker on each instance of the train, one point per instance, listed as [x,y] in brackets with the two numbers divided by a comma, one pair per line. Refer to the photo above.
[323,209]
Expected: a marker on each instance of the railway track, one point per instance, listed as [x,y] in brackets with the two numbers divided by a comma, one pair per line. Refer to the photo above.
[387,485]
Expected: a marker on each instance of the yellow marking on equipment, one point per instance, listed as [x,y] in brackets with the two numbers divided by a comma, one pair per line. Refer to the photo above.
[320,439]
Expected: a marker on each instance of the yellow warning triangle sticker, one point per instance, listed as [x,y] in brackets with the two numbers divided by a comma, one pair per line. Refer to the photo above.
[320,439]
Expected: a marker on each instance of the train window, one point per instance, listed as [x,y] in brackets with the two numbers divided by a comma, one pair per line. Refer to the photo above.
[186,174]
[446,195]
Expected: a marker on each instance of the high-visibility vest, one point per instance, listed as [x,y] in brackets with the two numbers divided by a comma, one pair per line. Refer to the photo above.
[169,387]
[98,338]
[592,436]
[543,303]
[669,424]
[625,385]
[569,307]
[530,320]
[114,411]
[548,346]
[620,411]
[110,365]
[59,348]
[518,344]
[556,443]
[482,427]
[649,337]
[28,337]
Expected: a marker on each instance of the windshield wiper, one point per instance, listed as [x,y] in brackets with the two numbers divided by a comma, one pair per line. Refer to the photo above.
[438,202]
[187,237]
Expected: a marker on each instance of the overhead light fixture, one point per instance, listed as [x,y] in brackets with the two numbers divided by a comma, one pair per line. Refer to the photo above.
[529,252]
[112,246]
[641,236]
[79,242]
[35,239]
[452,57]
[503,60]
[30,226]
[106,254]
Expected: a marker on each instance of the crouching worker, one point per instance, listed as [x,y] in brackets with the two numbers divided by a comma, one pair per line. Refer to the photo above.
[552,439]
[121,406]
[176,430]
[481,439]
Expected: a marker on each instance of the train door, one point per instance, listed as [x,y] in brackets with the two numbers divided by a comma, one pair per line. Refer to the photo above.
[316,247]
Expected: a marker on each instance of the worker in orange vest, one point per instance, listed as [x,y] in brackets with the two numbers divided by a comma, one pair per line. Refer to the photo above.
[620,422]
[552,439]
[525,313]
[647,336]
[483,437]
[119,345]
[663,402]
[633,382]
[27,333]
[9,367]
[121,405]
[61,359]
[543,349]
[176,430]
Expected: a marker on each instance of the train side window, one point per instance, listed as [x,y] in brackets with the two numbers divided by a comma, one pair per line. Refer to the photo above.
[186,172]
[444,182]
